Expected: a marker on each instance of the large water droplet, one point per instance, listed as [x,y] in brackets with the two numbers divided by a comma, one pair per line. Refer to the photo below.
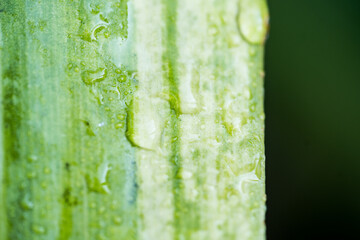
[253,20]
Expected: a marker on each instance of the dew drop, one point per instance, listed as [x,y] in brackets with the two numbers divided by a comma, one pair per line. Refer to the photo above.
[117,220]
[114,205]
[38,229]
[122,78]
[44,185]
[120,116]
[47,170]
[26,204]
[119,125]
[262,74]
[32,158]
[92,76]
[253,20]
[102,210]
[31,175]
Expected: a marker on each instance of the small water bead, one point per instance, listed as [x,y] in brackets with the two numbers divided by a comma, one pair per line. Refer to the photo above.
[122,78]
[256,205]
[120,116]
[31,175]
[117,220]
[114,205]
[26,204]
[38,229]
[22,185]
[262,74]
[252,108]
[119,125]
[102,209]
[101,237]
[47,170]
[32,158]
[43,212]
[247,93]
[252,51]
[43,185]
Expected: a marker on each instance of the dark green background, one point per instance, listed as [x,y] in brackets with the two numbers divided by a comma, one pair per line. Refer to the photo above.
[312,103]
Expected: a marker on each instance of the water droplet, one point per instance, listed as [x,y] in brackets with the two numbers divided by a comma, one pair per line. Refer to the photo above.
[262,74]
[247,93]
[119,125]
[32,158]
[26,204]
[114,205]
[253,20]
[262,117]
[252,108]
[101,237]
[252,51]
[120,116]
[187,175]
[117,220]
[47,170]
[38,229]
[92,76]
[122,78]
[31,175]
[96,30]
[102,209]
[44,185]
[23,185]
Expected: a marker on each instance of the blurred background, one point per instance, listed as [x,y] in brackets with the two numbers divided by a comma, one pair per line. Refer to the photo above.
[312,106]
